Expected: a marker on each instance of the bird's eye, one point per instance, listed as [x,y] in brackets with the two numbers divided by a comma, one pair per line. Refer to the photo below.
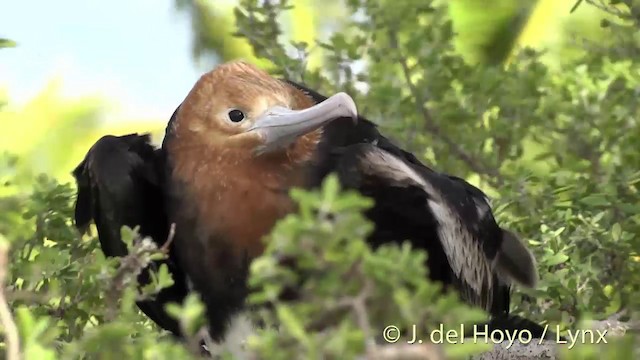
[236,115]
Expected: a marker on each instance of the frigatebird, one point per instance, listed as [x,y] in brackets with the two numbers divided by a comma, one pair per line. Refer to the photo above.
[233,149]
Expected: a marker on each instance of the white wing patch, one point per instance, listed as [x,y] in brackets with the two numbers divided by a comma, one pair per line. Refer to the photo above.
[382,163]
[464,253]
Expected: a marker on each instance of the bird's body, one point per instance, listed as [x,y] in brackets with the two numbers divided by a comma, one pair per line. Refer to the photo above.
[242,139]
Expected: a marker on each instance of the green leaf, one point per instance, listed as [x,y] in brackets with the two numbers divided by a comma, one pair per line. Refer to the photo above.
[556,259]
[616,231]
[292,324]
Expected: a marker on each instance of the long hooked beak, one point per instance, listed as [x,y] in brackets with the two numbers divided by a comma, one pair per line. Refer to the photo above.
[280,126]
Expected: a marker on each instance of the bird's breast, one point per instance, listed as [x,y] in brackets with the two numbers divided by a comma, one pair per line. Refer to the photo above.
[236,206]
[243,214]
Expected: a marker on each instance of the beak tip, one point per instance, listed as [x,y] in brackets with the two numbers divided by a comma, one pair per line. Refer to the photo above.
[350,106]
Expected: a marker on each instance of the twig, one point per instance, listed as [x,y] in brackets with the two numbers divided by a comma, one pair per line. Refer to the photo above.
[614,326]
[472,162]
[130,267]
[359,306]
[575,6]
[12,337]
[599,4]
[13,295]
[172,233]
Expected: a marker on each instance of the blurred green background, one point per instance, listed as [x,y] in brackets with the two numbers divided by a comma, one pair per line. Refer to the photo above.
[82,69]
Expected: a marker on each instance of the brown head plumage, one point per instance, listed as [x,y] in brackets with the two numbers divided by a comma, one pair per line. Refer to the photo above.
[240,140]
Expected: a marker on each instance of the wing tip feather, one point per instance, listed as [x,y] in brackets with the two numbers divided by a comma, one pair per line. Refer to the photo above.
[516,261]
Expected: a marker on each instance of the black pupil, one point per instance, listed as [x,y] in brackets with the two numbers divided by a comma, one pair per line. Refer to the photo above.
[236,115]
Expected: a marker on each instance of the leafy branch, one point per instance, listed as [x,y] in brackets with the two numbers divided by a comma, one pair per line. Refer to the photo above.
[131,266]
[474,163]
[12,337]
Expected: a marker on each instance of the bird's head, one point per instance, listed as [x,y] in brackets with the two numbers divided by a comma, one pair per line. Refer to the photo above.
[243,111]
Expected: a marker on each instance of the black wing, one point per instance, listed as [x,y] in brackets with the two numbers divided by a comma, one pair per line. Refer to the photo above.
[120,183]
[435,214]
[448,217]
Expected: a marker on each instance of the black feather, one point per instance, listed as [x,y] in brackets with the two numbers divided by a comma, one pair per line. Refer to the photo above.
[120,183]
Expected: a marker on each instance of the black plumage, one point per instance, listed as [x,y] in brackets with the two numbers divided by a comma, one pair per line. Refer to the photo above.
[442,214]
[120,183]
